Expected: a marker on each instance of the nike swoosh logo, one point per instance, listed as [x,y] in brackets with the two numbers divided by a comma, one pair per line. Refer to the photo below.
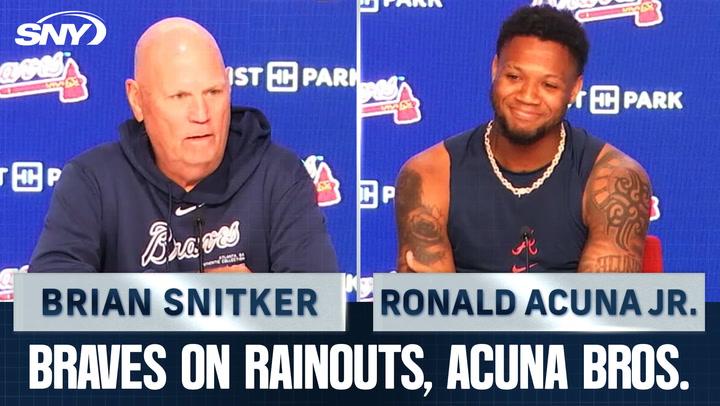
[181,212]
[517,269]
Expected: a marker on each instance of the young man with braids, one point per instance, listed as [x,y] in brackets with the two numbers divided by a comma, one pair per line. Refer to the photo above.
[525,192]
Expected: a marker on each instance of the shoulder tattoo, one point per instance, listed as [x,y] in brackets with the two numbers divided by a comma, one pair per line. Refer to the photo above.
[620,193]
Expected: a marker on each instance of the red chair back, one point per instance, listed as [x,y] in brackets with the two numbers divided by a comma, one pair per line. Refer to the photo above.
[652,260]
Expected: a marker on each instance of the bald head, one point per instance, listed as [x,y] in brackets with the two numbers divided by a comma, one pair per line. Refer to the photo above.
[181,93]
[169,37]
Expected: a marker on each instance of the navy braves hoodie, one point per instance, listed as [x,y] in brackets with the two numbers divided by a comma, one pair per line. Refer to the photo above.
[114,211]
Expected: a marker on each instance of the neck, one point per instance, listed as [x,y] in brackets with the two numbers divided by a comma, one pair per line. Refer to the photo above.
[524,158]
[184,183]
[186,178]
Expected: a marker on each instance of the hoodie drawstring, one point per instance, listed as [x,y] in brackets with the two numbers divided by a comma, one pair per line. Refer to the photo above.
[198,235]
[169,229]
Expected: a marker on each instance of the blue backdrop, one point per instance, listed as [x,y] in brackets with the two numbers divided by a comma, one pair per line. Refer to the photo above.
[650,89]
[295,60]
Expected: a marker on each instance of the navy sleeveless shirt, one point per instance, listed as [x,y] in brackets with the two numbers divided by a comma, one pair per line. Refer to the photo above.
[486,221]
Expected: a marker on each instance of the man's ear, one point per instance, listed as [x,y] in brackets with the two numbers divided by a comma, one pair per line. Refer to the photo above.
[132,90]
[576,88]
[494,67]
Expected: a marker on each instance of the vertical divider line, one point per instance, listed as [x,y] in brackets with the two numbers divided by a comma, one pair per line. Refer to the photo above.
[358,150]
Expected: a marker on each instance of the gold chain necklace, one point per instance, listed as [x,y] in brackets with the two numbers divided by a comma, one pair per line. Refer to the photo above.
[521,191]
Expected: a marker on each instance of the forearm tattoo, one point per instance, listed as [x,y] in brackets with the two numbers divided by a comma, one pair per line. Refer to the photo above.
[420,226]
[622,196]
[617,263]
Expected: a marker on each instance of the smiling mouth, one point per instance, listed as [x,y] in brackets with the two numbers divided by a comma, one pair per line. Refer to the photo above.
[524,115]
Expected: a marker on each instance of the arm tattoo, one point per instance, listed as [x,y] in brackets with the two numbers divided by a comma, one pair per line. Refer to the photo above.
[621,194]
[617,263]
[420,228]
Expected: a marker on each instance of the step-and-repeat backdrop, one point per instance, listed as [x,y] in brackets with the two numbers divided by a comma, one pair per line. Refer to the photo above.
[651,89]
[295,60]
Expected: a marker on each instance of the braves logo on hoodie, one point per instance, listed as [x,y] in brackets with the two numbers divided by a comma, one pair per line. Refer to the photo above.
[156,250]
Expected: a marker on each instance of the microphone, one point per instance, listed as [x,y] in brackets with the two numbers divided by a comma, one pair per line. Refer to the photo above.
[525,233]
[199,223]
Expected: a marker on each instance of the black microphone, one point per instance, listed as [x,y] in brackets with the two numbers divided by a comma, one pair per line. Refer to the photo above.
[525,233]
[199,223]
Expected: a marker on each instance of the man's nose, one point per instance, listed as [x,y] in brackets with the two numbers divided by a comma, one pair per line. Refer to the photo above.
[528,93]
[199,110]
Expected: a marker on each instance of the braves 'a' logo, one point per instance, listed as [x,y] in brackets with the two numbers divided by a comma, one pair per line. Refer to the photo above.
[530,246]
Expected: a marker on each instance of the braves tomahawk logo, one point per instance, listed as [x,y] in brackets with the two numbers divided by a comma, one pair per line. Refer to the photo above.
[645,13]
[327,187]
[519,251]
[390,98]
[51,75]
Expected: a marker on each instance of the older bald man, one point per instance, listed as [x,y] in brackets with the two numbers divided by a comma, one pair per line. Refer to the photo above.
[192,185]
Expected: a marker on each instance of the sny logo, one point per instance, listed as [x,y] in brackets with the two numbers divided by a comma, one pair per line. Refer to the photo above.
[39,32]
